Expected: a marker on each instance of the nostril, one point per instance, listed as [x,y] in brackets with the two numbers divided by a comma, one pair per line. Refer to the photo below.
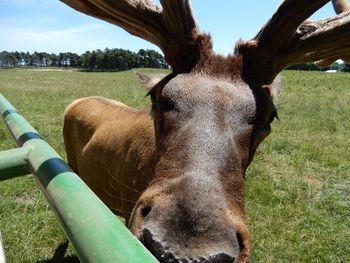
[145,211]
[221,258]
[165,255]
[155,247]
[240,241]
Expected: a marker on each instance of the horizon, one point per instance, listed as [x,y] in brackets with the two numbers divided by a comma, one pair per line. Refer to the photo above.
[65,52]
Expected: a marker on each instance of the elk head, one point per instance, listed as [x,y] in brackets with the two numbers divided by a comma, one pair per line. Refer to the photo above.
[210,114]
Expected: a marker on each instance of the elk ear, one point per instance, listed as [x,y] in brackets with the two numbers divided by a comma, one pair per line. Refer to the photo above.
[275,87]
[148,81]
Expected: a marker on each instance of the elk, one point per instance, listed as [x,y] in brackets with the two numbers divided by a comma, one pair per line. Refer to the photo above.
[178,177]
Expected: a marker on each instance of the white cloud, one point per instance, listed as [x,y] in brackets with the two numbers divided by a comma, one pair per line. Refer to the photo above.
[75,39]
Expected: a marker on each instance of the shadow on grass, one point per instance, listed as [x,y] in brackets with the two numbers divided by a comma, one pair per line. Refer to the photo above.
[59,257]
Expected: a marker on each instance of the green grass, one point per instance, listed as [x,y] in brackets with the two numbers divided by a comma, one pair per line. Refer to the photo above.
[297,188]
[30,230]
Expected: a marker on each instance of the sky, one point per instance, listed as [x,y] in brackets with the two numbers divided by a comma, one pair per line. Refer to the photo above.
[53,27]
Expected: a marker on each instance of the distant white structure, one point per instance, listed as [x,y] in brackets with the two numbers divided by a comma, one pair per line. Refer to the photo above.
[331,71]
[2,253]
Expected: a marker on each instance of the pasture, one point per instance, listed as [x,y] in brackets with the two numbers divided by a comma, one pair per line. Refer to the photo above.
[297,187]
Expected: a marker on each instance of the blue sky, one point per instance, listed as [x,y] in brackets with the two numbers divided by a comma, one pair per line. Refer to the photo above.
[51,26]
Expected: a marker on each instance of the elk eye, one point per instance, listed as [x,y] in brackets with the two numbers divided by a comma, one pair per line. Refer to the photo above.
[154,107]
[145,211]
[166,105]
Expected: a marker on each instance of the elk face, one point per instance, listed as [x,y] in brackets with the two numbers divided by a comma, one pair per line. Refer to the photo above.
[207,131]
[210,115]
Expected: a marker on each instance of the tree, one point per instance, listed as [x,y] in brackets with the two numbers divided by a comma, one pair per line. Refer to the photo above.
[107,60]
[28,59]
[304,67]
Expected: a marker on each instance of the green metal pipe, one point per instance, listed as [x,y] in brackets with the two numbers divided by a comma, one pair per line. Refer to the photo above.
[94,231]
[14,163]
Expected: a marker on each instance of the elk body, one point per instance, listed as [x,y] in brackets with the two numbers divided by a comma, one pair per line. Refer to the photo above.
[178,178]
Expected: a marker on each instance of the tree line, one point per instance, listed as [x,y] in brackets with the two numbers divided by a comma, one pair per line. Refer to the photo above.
[313,67]
[113,60]
[98,60]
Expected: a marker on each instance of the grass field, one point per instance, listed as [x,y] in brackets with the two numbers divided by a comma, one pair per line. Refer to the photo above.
[297,188]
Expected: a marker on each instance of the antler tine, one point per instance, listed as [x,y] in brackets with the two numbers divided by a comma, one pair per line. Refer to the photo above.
[178,15]
[287,40]
[260,54]
[182,49]
[340,6]
[318,39]
[172,28]
[135,16]
[286,20]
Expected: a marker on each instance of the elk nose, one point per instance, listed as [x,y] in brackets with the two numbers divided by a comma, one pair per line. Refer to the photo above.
[165,256]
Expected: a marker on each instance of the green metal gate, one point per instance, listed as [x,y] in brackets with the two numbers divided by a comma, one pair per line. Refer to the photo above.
[95,232]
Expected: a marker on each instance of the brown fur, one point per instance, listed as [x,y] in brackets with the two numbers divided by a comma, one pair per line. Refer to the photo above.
[112,149]
[202,59]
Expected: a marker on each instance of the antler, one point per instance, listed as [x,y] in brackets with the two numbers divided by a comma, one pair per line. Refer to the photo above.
[289,38]
[339,6]
[173,27]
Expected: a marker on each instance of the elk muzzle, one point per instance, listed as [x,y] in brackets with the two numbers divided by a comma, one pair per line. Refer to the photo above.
[191,225]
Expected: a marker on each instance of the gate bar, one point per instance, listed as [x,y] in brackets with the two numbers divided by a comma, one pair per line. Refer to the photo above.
[13,163]
[94,231]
